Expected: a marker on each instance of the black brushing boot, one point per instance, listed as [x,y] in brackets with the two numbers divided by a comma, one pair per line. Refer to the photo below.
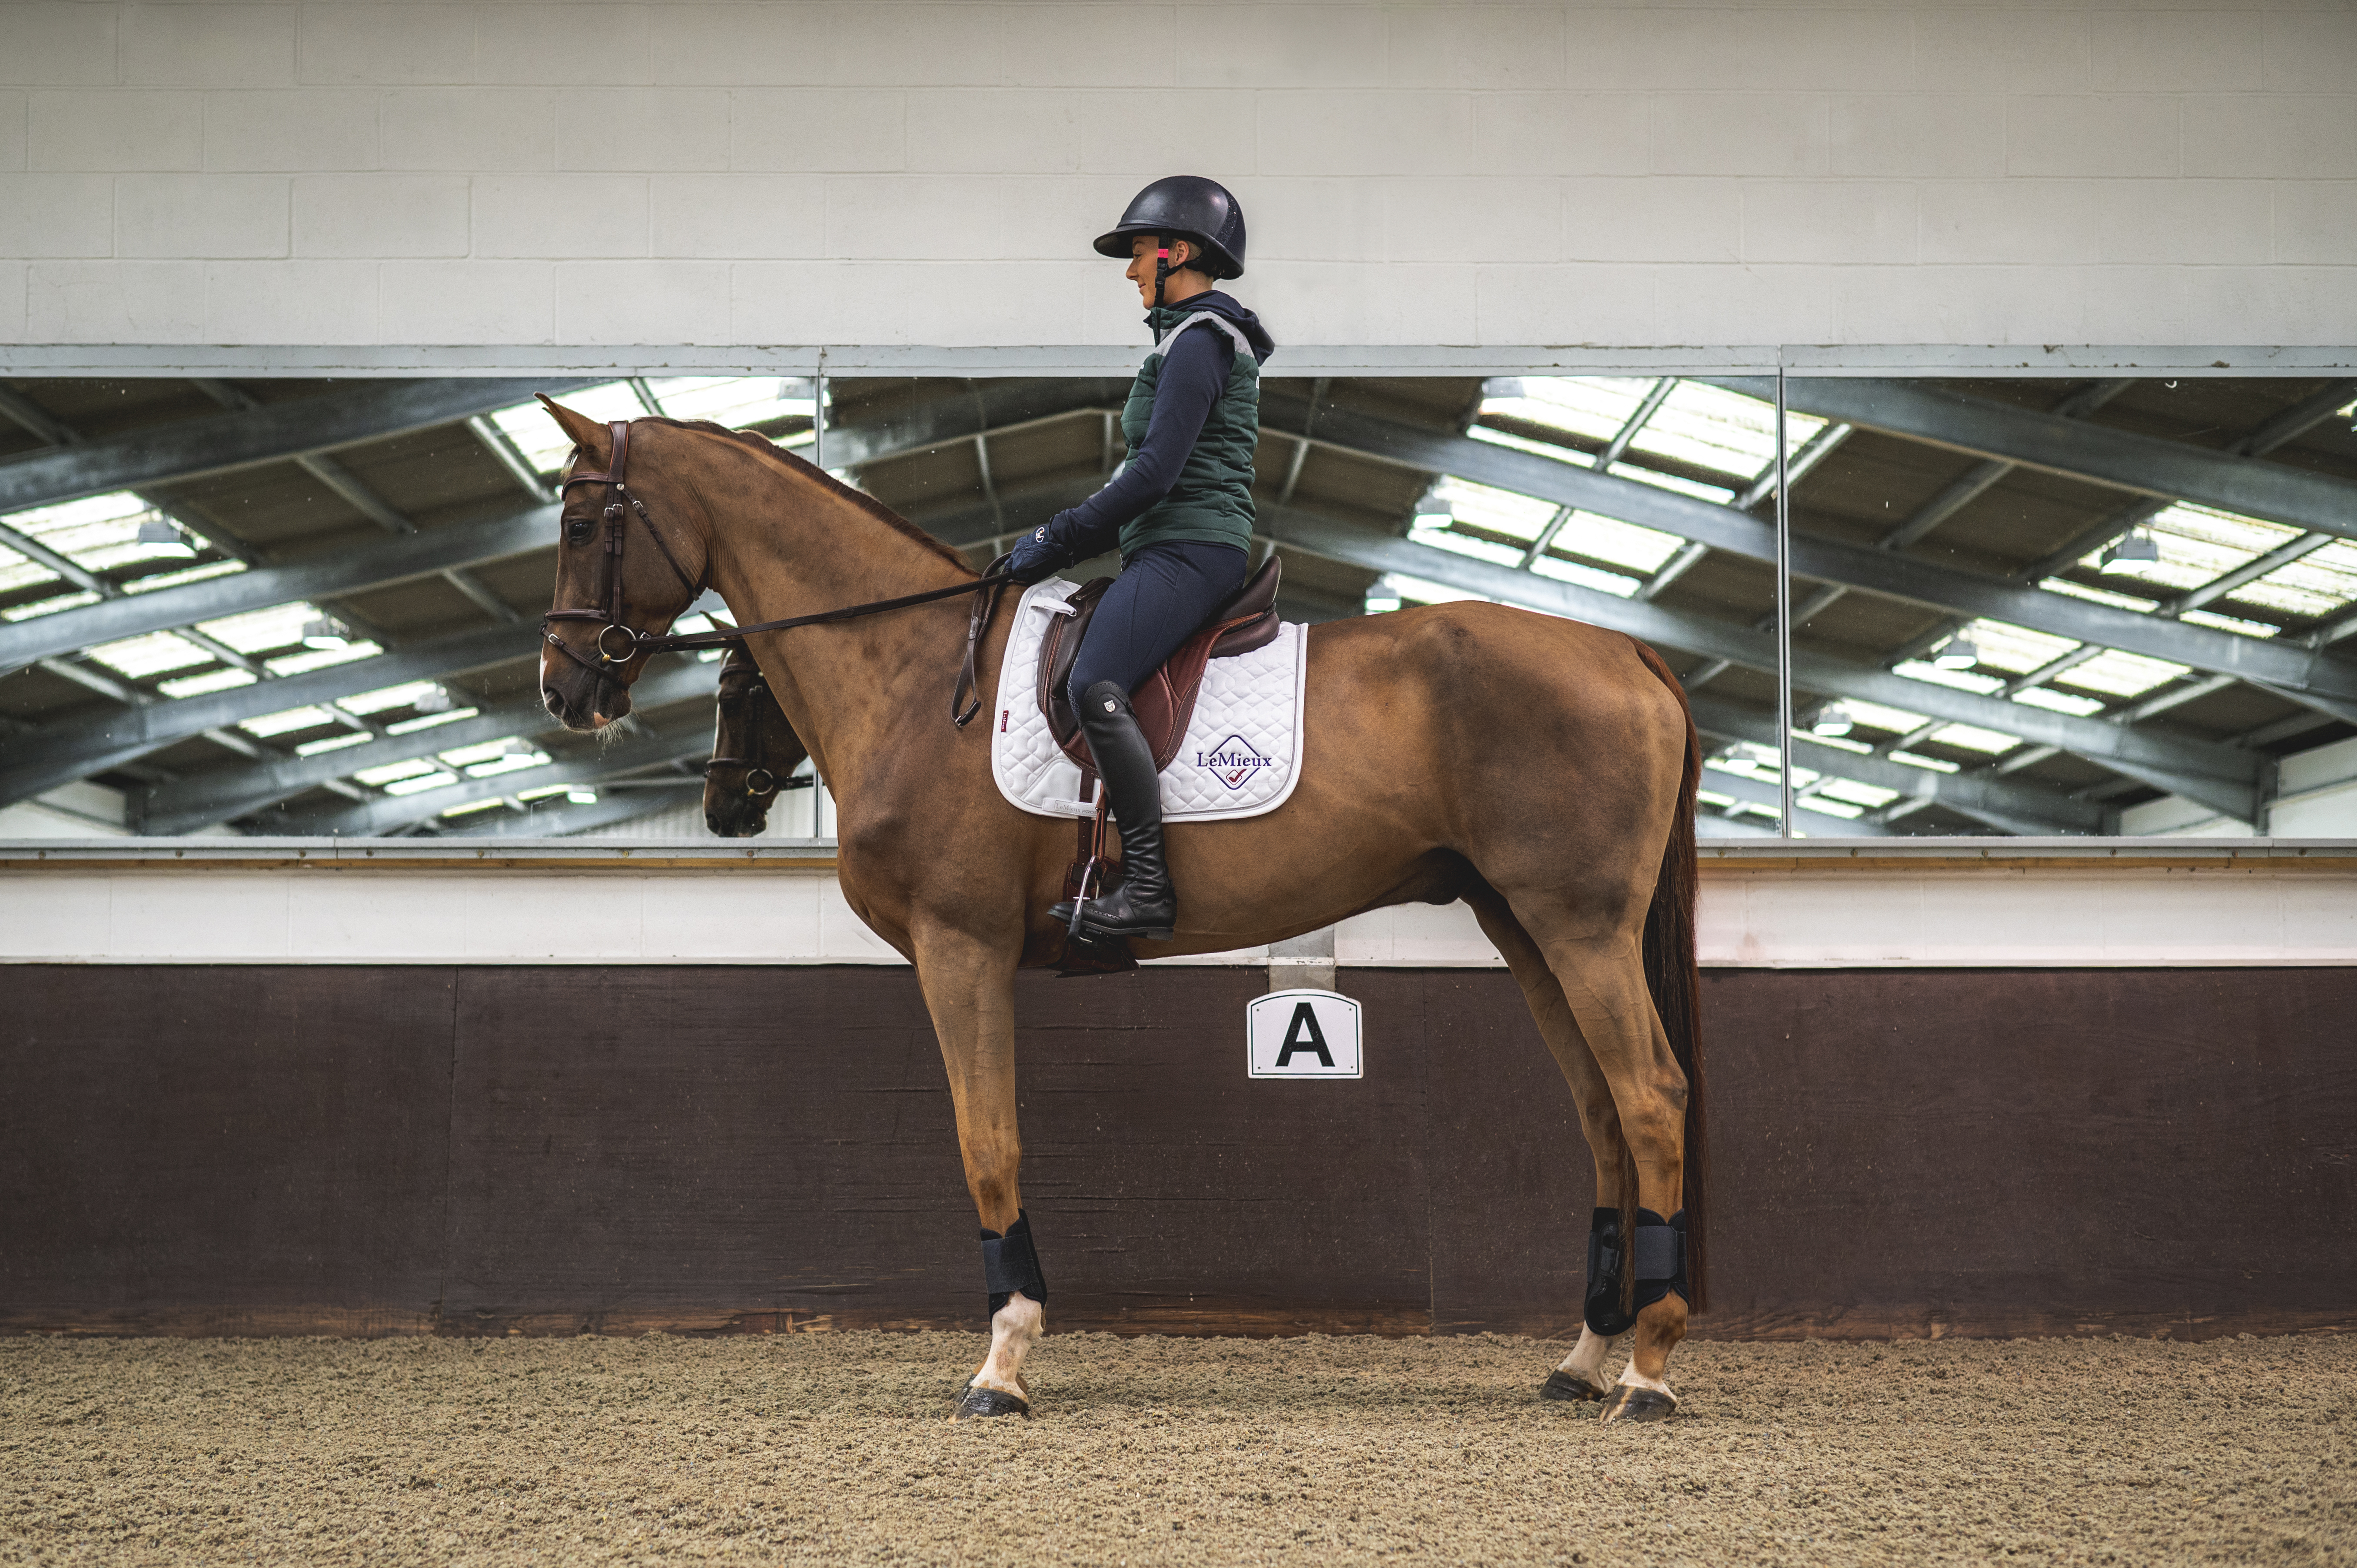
[1144,905]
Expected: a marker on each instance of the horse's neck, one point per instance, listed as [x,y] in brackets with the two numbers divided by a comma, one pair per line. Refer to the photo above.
[803,549]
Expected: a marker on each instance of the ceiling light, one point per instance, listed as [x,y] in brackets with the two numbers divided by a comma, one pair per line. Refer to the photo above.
[517,747]
[326,631]
[582,795]
[1959,654]
[2139,552]
[1832,720]
[157,529]
[432,700]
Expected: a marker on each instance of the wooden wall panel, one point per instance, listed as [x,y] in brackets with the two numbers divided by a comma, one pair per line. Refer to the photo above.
[554,1150]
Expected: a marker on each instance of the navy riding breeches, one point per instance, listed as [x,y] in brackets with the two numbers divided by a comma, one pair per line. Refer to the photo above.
[1164,593]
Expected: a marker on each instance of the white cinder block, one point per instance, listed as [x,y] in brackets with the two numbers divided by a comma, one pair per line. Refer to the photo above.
[470,129]
[2310,51]
[115,301]
[1202,131]
[57,215]
[998,130]
[585,48]
[916,216]
[60,45]
[817,130]
[13,276]
[2315,222]
[1058,217]
[2149,49]
[1562,133]
[2196,221]
[654,129]
[2099,134]
[1745,304]
[12,130]
[208,45]
[1835,221]
[1311,220]
[1739,133]
[2009,221]
[563,216]
[1493,48]
[318,128]
[112,132]
[1281,45]
[381,215]
[853,44]
[755,217]
[1960,304]
[1761,49]
[2166,304]
[2022,48]
[171,216]
[1653,219]
[290,302]
[1476,220]
[386,45]
[1090,46]
[466,302]
[943,304]
[2290,136]
[1366,133]
[642,302]
[1398,302]
[1903,135]
[1566,305]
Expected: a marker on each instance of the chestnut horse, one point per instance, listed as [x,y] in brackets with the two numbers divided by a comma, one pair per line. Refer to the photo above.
[1542,771]
[753,751]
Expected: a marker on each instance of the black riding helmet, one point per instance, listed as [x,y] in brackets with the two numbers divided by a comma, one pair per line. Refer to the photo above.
[1184,206]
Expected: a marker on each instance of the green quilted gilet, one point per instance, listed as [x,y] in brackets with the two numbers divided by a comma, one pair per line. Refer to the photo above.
[1212,499]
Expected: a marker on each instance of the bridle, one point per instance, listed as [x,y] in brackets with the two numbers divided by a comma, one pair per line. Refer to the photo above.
[611,620]
[760,783]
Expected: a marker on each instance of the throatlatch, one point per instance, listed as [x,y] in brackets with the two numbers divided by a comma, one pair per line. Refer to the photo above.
[1010,1263]
[1660,1267]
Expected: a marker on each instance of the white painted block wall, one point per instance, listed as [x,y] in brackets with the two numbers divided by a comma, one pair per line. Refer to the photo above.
[880,173]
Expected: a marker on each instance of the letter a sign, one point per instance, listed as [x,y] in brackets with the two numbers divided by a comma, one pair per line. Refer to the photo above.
[1302,1033]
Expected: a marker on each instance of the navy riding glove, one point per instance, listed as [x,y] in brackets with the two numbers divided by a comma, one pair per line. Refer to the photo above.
[1037,555]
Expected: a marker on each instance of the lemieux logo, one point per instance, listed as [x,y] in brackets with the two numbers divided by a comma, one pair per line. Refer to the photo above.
[1232,761]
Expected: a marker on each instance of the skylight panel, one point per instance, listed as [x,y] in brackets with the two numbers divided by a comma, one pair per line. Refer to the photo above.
[427,721]
[1856,794]
[1494,510]
[484,751]
[468,808]
[140,657]
[1972,737]
[293,719]
[2071,590]
[739,403]
[1592,406]
[2118,675]
[1612,583]
[1929,764]
[403,695]
[2235,624]
[1621,543]
[39,607]
[393,772]
[2198,544]
[498,765]
[1424,590]
[196,574]
[1962,680]
[258,631]
[334,742]
[83,530]
[221,680]
[2015,649]
[1676,482]
[1466,544]
[21,572]
[1725,432]
[311,659]
[1826,804]
[1874,716]
[1576,458]
[422,782]
[2315,585]
[2056,701]
[544,442]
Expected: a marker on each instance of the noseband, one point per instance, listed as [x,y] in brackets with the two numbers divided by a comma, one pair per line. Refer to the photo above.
[760,782]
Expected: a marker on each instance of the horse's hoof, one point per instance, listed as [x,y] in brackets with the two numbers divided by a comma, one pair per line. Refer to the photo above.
[1562,1385]
[1629,1402]
[979,1404]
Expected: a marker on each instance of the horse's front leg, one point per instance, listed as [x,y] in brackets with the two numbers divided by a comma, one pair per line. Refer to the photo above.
[969,990]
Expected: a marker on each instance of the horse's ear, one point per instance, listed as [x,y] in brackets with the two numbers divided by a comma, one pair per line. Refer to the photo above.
[587,434]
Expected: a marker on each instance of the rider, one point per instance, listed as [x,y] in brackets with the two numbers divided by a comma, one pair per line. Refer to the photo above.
[1180,507]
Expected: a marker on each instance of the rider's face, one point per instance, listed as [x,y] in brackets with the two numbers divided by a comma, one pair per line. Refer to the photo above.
[1141,269]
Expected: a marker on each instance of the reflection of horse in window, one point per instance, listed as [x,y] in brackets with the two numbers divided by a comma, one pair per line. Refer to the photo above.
[1542,771]
[753,751]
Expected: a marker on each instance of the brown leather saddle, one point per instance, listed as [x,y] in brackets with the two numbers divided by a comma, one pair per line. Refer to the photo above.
[1167,700]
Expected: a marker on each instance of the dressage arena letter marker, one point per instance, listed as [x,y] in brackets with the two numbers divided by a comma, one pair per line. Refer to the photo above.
[1302,1033]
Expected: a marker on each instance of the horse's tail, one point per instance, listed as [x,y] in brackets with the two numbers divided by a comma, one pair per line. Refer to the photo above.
[1672,975]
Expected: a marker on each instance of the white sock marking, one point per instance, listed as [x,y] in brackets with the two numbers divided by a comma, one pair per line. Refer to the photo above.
[1014,1329]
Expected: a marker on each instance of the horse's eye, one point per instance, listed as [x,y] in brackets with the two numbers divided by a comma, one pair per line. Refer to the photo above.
[578,530]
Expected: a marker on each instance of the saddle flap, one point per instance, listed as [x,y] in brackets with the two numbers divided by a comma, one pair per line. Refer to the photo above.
[1244,621]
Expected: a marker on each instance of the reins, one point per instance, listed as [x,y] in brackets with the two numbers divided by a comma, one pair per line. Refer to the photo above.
[966,701]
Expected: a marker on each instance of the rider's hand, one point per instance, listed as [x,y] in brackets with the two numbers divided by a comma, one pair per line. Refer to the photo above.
[1035,556]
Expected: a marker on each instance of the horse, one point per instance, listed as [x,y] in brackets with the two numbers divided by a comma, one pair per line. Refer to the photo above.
[753,751]
[1541,769]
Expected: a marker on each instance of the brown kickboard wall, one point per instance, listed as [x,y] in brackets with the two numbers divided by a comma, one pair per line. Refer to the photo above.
[358,1150]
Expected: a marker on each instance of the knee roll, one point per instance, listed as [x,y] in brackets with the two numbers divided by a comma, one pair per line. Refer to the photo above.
[1010,1263]
[1660,1267]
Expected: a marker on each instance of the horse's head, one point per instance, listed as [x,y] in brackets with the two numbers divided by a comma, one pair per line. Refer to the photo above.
[630,557]
[753,751]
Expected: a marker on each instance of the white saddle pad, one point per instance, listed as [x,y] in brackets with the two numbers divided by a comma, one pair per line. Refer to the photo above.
[1243,750]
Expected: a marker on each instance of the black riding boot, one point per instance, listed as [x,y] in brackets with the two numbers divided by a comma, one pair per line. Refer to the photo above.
[1144,905]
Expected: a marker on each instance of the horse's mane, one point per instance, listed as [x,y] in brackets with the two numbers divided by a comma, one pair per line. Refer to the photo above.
[801,468]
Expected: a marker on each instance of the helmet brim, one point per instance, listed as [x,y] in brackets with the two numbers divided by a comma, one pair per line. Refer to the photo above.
[1115,243]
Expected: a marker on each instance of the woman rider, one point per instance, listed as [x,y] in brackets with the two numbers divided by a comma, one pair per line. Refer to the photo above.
[1180,509]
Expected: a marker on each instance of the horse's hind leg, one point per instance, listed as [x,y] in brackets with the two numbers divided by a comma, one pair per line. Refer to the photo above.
[1580,1375]
[970,991]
